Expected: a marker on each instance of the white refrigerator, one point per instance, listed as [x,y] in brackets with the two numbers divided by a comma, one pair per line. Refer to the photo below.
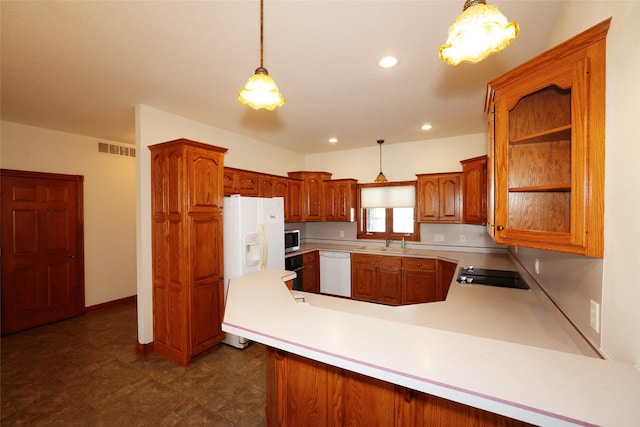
[253,240]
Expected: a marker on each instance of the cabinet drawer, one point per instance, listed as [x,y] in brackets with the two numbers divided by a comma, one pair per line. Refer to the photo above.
[309,257]
[377,260]
[419,263]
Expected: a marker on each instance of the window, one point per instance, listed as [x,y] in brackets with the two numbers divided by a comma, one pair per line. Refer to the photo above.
[387,211]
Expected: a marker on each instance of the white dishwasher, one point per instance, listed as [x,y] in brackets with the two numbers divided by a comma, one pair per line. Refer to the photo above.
[335,273]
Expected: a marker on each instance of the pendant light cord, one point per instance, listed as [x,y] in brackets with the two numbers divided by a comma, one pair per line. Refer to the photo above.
[261,25]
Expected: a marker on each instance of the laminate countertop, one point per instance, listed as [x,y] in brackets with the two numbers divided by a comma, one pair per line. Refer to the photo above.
[508,351]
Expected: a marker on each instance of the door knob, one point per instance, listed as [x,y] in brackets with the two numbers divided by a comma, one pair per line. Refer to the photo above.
[71,256]
[500,228]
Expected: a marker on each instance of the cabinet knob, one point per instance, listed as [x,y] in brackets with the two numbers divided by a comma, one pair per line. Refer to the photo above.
[500,228]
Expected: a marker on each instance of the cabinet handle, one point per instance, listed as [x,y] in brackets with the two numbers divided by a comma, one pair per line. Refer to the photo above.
[500,228]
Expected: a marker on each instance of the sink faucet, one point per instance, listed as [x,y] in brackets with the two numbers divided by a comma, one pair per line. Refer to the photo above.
[387,242]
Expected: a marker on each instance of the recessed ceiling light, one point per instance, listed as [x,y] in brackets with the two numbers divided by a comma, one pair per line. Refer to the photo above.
[333,140]
[388,62]
[426,126]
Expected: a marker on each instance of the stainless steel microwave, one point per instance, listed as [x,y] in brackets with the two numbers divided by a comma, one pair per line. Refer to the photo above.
[291,240]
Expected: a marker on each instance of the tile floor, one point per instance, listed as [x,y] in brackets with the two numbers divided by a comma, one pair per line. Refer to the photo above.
[85,372]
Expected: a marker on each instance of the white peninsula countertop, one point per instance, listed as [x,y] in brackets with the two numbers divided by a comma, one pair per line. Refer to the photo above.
[501,350]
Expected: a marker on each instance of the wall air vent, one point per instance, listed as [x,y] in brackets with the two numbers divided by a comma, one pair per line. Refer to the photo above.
[118,150]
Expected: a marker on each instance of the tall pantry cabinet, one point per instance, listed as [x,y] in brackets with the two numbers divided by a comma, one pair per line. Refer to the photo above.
[187,266]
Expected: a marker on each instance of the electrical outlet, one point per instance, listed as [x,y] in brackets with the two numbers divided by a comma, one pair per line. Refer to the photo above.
[462,238]
[594,317]
[341,233]
[536,266]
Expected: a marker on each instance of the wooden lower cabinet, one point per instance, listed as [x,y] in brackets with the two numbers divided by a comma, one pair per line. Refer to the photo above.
[304,392]
[397,280]
[311,272]
[446,272]
[419,281]
[376,278]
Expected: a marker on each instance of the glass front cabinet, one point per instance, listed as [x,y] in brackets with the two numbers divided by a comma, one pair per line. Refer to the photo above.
[547,148]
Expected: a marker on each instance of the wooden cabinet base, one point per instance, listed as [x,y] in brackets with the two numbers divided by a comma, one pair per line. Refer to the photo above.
[305,392]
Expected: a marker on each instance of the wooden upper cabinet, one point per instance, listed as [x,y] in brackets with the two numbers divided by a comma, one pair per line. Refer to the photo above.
[265,185]
[340,200]
[548,138]
[238,181]
[474,190]
[272,186]
[312,194]
[439,198]
[293,204]
[186,246]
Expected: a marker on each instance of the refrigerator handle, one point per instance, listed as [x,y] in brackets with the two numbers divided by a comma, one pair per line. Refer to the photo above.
[264,246]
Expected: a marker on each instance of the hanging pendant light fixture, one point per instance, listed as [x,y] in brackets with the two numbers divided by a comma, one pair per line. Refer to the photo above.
[478,32]
[261,91]
[381,177]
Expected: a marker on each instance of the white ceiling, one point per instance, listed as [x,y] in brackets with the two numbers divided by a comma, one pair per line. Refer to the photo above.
[82,66]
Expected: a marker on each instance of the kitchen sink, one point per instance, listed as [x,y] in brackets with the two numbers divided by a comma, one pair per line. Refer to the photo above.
[487,277]
[382,249]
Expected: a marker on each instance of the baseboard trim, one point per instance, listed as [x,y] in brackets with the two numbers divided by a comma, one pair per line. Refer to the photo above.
[111,304]
[144,349]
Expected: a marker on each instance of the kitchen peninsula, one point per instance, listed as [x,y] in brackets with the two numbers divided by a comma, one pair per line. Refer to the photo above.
[498,350]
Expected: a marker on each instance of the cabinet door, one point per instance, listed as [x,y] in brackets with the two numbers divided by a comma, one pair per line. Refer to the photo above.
[491,171]
[474,190]
[363,282]
[340,200]
[281,188]
[418,286]
[311,273]
[207,272]
[449,199]
[428,203]
[204,180]
[314,199]
[228,184]
[389,285]
[248,183]
[540,192]
[293,205]
[265,186]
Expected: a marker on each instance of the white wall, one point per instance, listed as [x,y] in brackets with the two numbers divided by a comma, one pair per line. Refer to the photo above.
[109,201]
[154,126]
[618,292]
[402,161]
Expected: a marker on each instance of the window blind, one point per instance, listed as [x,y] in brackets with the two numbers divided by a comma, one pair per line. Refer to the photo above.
[388,197]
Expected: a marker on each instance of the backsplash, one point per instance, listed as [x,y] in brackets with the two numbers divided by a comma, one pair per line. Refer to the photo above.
[433,236]
[572,282]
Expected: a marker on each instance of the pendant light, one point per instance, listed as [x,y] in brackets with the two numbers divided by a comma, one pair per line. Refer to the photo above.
[381,177]
[478,32]
[261,91]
